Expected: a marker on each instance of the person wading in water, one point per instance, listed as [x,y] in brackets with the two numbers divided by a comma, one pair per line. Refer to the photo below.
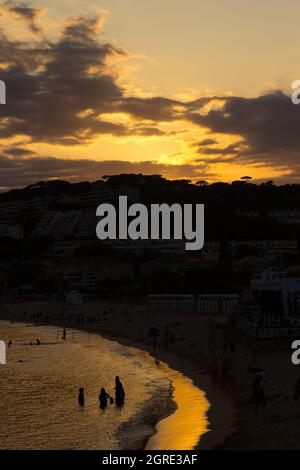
[103,396]
[119,391]
[81,396]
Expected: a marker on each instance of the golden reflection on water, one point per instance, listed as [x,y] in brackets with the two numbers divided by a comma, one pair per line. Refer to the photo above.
[183,429]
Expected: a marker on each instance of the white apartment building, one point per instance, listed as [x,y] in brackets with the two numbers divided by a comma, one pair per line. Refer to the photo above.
[218,304]
[138,246]
[250,214]
[10,209]
[269,246]
[107,195]
[211,251]
[11,231]
[171,303]
[277,282]
[286,216]
[59,225]
[215,305]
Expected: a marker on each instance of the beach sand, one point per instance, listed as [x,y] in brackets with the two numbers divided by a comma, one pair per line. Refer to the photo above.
[277,425]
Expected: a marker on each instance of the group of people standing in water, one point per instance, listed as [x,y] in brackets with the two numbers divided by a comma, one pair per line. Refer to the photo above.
[104,396]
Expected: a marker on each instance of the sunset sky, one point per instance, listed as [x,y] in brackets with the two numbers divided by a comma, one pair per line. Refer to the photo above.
[196,89]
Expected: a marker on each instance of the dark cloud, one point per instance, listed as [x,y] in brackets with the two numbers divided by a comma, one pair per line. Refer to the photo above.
[268,125]
[149,131]
[60,92]
[17,151]
[57,92]
[48,96]
[198,104]
[154,109]
[206,142]
[18,172]
[26,13]
[231,149]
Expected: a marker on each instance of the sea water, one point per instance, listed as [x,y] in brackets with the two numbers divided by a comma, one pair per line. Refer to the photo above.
[39,388]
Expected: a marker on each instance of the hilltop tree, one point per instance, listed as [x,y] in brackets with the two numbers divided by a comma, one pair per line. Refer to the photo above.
[202,183]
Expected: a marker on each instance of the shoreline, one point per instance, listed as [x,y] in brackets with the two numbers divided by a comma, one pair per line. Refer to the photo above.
[150,422]
[221,412]
[216,412]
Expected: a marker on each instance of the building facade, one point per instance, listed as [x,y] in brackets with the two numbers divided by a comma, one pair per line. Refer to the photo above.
[221,305]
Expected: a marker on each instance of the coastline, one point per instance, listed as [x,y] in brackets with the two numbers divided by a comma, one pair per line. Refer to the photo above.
[148,419]
[221,413]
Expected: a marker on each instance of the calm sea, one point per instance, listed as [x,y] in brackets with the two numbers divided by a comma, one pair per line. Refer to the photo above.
[38,396]
[39,387]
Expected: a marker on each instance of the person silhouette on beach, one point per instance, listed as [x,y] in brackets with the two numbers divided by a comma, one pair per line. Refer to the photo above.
[64,336]
[81,396]
[258,395]
[103,396]
[119,392]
